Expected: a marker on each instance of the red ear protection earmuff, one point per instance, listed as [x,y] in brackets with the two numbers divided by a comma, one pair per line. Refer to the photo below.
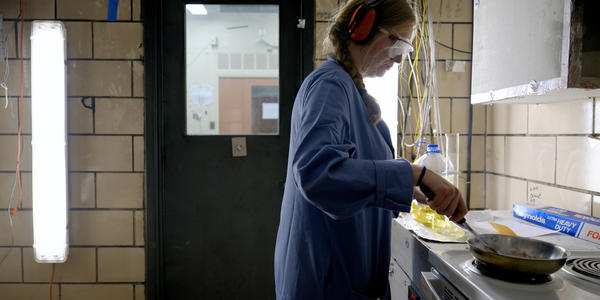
[362,25]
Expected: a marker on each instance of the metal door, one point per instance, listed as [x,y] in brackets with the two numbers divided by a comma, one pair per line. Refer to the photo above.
[212,218]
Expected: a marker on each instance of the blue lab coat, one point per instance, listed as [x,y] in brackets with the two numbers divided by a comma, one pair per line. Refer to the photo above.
[341,189]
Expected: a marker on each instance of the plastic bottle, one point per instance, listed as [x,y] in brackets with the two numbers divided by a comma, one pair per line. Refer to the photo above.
[434,161]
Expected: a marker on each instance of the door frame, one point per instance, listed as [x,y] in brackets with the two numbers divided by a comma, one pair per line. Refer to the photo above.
[154,62]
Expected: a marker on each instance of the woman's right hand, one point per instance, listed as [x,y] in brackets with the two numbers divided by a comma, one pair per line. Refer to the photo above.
[447,199]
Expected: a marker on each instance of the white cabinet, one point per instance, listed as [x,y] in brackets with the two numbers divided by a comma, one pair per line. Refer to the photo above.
[535,51]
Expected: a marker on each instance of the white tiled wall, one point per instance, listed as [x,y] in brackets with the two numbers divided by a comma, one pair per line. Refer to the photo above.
[578,162]
[573,117]
[550,146]
[552,196]
[502,192]
[530,157]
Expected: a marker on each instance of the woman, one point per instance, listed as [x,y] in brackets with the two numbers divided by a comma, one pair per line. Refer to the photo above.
[343,184]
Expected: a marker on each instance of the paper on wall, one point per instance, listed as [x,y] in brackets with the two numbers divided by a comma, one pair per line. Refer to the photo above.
[200,94]
[270,111]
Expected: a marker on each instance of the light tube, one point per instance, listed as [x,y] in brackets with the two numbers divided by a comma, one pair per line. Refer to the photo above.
[196,9]
[49,142]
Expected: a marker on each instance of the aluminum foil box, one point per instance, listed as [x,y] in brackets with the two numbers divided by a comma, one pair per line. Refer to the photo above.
[572,223]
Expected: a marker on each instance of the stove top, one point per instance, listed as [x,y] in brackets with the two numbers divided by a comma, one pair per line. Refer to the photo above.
[579,279]
[459,267]
[585,268]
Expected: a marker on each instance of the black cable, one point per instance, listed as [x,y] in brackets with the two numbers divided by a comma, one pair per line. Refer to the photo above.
[470,135]
[446,46]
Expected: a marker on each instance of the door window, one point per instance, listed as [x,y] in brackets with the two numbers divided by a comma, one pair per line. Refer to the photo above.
[232,69]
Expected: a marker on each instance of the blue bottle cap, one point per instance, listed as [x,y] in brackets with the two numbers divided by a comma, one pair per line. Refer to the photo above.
[432,148]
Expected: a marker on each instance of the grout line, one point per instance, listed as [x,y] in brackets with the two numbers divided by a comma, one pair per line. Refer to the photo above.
[540,135]
[92,209]
[96,249]
[555,157]
[527,191]
[132,153]
[22,267]
[93,99]
[131,10]
[73,20]
[452,44]
[70,97]
[92,27]
[564,187]
[76,282]
[85,59]
[131,73]
[451,109]
[55,9]
[95,190]
[527,119]
[133,285]
[76,172]
[133,214]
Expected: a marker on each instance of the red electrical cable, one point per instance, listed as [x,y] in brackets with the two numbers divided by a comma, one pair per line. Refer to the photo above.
[52,279]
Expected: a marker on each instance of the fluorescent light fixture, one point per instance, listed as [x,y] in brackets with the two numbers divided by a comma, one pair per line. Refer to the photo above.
[49,142]
[196,9]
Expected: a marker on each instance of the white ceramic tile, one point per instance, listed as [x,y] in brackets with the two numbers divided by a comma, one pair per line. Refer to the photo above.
[477,153]
[507,118]
[578,162]
[541,194]
[477,190]
[494,154]
[460,117]
[573,117]
[530,157]
[502,192]
[463,35]
[445,108]
[451,10]
[453,84]
[443,34]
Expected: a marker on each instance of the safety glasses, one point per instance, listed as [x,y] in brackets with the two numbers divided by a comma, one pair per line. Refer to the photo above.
[401,46]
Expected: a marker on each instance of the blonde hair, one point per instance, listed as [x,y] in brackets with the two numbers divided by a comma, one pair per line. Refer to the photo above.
[390,13]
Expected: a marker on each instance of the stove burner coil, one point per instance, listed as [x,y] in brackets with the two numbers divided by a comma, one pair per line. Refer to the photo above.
[510,276]
[587,266]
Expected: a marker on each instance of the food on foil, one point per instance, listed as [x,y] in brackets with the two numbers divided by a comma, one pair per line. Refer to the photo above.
[440,224]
